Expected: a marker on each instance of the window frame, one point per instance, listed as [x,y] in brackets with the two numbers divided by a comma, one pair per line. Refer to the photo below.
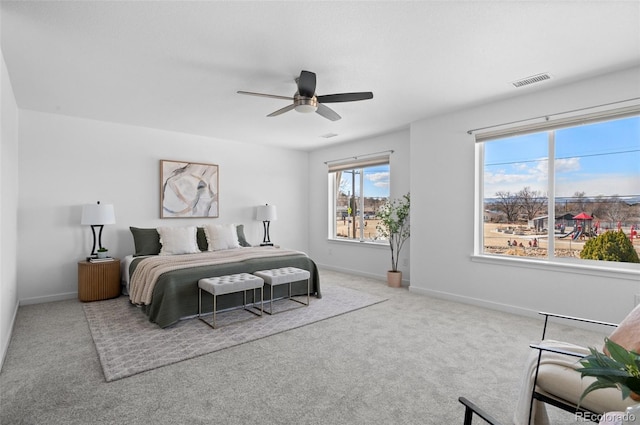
[551,262]
[359,162]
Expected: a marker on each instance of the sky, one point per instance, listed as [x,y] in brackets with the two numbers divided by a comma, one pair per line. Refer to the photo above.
[600,159]
[376,181]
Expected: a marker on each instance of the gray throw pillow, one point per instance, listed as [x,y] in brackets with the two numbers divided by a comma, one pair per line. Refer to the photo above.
[241,238]
[146,241]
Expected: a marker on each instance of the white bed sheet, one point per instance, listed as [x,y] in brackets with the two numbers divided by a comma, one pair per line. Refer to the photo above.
[124,271]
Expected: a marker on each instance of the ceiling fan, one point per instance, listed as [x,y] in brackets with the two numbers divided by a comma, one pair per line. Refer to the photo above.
[306,100]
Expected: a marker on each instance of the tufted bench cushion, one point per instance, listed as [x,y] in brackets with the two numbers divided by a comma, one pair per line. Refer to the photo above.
[281,276]
[284,275]
[221,285]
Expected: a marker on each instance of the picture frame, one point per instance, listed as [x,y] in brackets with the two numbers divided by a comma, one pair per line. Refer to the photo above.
[188,189]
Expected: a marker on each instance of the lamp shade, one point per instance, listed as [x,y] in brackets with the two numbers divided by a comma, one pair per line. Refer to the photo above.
[98,214]
[266,213]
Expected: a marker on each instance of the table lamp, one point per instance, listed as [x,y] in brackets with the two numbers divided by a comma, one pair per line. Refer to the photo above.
[96,216]
[266,213]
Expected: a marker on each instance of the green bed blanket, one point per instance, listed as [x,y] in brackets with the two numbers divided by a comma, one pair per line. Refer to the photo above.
[175,295]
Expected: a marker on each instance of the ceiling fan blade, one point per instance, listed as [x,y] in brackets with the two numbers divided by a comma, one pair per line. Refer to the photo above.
[327,112]
[307,84]
[274,96]
[282,110]
[344,97]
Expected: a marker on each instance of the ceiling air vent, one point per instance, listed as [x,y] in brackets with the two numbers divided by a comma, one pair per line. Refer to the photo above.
[531,80]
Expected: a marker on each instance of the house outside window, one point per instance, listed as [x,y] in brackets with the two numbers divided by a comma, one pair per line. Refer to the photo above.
[357,189]
[547,190]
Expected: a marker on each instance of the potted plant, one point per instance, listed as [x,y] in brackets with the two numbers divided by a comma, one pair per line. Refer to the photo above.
[102,252]
[620,369]
[393,225]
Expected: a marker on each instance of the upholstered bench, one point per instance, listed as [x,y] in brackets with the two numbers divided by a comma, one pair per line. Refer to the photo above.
[285,275]
[221,285]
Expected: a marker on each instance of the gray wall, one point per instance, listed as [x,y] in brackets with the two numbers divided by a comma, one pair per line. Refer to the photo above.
[66,162]
[8,208]
[366,259]
[63,162]
[443,169]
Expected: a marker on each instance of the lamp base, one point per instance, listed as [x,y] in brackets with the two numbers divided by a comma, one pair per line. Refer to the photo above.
[266,241]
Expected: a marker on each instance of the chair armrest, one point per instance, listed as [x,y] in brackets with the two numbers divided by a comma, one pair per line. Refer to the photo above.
[575,319]
[557,350]
[579,319]
[470,409]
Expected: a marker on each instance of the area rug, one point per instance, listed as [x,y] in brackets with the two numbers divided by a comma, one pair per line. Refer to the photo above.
[128,344]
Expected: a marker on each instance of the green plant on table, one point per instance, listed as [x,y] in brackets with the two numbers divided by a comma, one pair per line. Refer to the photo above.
[621,369]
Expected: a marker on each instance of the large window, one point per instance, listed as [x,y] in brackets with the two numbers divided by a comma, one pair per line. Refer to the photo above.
[358,188]
[548,192]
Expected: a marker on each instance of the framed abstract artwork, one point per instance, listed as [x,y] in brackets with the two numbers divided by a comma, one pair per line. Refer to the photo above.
[188,189]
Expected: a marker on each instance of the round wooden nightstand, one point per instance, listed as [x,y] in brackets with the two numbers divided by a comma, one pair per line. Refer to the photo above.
[98,281]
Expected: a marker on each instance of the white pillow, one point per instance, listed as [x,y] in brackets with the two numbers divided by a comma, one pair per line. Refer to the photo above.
[626,334]
[221,236]
[178,240]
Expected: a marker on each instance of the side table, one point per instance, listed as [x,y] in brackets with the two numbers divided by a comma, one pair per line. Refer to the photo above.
[98,281]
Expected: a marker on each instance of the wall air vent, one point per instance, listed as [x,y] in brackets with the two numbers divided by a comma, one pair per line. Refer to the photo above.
[531,80]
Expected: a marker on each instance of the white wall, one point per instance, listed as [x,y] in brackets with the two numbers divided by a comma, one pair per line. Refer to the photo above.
[365,259]
[62,163]
[8,208]
[442,188]
[66,162]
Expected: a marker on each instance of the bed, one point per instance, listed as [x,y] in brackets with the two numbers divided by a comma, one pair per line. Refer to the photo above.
[166,286]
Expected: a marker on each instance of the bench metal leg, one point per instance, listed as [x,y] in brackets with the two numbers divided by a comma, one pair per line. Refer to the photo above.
[270,312]
[244,306]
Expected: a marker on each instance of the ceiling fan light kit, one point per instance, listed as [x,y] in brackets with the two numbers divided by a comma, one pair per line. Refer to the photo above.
[305,104]
[305,99]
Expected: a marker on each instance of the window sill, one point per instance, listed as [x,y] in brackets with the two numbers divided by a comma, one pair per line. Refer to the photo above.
[628,271]
[368,244]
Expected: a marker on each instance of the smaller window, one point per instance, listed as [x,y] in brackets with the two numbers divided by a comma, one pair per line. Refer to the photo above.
[358,190]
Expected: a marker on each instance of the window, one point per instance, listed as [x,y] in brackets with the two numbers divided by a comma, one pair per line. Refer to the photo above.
[547,190]
[357,189]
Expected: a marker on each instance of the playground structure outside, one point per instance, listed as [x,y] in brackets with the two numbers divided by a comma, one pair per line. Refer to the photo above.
[500,238]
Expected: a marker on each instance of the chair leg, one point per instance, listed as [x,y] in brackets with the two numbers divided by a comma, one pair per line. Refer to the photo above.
[533,389]
[468,415]
[470,409]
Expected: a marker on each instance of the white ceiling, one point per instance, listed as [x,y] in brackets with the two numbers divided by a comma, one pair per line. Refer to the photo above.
[177,65]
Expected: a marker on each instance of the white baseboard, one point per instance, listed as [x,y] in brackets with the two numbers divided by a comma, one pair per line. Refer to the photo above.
[507,308]
[49,298]
[359,273]
[443,295]
[356,272]
[5,344]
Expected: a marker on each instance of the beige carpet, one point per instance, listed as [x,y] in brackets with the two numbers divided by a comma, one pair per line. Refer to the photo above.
[128,344]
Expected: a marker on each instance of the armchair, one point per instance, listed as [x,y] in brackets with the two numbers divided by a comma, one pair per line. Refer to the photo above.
[551,377]
[469,410]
